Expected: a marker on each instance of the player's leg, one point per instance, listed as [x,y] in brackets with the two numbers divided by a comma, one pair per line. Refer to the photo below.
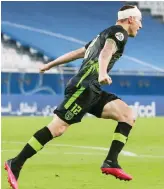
[70,111]
[110,106]
[121,112]
[54,129]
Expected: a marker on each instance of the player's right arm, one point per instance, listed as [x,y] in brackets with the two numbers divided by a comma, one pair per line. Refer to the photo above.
[104,58]
[68,57]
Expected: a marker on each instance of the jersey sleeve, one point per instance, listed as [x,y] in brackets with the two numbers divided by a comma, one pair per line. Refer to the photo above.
[87,45]
[118,36]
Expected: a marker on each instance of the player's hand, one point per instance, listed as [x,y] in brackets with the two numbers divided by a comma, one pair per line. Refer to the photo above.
[104,79]
[44,68]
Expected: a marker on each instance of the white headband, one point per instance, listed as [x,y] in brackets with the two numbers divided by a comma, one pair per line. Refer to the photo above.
[129,12]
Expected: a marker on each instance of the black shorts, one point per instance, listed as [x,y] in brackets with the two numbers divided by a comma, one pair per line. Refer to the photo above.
[81,100]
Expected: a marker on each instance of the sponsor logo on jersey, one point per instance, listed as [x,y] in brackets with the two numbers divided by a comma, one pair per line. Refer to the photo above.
[119,36]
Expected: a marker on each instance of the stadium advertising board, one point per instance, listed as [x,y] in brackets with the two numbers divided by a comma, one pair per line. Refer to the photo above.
[43,105]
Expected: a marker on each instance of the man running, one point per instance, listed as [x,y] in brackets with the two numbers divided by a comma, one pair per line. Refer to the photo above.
[83,94]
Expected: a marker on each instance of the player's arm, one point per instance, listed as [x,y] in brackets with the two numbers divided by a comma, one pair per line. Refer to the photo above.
[68,57]
[105,56]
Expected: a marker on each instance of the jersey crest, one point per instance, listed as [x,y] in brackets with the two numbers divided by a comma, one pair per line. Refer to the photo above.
[119,36]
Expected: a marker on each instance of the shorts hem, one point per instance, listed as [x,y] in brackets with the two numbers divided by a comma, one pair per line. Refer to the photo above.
[70,122]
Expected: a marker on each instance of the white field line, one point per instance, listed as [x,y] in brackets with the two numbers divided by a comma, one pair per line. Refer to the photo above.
[51,152]
[74,40]
[75,146]
[125,153]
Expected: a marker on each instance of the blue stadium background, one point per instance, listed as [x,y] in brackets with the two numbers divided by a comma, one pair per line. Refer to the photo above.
[54,28]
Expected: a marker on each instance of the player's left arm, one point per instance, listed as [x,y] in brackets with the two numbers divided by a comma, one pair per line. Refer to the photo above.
[68,57]
[105,56]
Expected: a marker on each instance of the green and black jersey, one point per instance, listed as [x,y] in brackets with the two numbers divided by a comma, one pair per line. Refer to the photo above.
[83,92]
[90,66]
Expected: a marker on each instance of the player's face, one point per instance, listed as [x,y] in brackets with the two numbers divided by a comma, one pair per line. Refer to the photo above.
[135,26]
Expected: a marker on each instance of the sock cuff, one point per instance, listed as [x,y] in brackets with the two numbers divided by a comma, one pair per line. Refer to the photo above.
[43,136]
[124,123]
[123,128]
[48,132]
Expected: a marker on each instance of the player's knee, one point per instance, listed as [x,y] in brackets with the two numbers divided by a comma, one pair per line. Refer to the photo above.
[57,127]
[59,131]
[128,116]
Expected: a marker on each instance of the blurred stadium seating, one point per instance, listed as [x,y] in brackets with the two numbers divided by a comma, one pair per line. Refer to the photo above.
[17,58]
[156,8]
[34,33]
[53,30]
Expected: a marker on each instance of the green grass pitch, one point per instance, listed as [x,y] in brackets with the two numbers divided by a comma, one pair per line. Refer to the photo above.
[71,162]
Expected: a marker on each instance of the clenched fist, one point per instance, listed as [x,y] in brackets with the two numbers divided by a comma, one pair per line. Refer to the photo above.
[44,68]
[104,79]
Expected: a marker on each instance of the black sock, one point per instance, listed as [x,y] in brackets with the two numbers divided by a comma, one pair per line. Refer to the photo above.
[119,139]
[36,143]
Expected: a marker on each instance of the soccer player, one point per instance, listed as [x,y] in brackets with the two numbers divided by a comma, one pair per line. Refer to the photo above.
[83,94]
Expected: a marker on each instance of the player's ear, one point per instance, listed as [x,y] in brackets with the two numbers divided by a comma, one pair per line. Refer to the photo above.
[130,20]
